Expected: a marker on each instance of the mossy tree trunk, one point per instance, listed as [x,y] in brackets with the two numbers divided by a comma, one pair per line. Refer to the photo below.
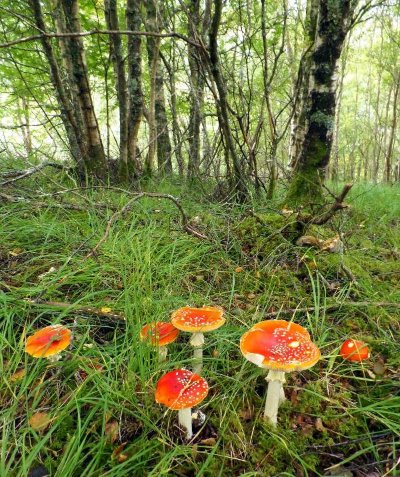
[160,142]
[328,24]
[94,155]
[135,93]
[121,85]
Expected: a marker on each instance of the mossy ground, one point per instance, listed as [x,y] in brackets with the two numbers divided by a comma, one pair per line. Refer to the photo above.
[104,421]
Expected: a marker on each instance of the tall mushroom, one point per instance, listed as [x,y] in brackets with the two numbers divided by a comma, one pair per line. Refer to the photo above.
[180,390]
[198,321]
[159,334]
[48,342]
[280,347]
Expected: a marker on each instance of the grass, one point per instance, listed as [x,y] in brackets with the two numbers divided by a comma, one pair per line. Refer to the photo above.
[100,396]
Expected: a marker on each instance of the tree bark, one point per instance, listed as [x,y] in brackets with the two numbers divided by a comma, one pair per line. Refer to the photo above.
[159,134]
[389,153]
[121,86]
[196,80]
[94,157]
[238,181]
[315,120]
[64,104]
[134,21]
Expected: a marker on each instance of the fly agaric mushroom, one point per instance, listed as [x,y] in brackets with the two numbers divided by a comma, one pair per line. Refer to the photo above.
[198,321]
[48,342]
[354,350]
[159,334]
[180,390]
[280,347]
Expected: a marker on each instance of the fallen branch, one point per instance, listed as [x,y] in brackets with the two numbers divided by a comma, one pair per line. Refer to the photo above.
[332,307]
[21,174]
[326,216]
[127,207]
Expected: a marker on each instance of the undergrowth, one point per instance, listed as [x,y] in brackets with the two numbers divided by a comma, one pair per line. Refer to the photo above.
[340,418]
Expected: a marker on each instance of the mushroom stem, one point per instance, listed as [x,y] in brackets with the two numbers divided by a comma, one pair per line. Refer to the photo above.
[274,394]
[185,420]
[162,354]
[282,397]
[197,341]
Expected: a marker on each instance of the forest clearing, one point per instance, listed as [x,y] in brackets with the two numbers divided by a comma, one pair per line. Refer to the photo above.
[199,238]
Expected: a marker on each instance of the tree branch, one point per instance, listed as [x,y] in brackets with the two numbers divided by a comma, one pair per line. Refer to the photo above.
[99,32]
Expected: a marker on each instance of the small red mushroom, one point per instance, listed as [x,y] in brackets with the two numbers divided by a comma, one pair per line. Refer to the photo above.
[198,321]
[180,390]
[48,342]
[280,347]
[354,350]
[159,334]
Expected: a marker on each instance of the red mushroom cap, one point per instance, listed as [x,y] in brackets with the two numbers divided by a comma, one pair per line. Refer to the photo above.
[48,341]
[159,333]
[198,320]
[354,350]
[181,389]
[279,345]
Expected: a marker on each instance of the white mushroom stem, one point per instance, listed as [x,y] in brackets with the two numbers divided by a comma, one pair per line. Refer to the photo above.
[274,395]
[162,354]
[197,341]
[185,420]
[282,397]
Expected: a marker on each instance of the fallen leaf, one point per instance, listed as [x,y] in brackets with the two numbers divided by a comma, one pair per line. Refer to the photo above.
[18,375]
[39,421]
[319,425]
[111,431]
[15,252]
[105,309]
[333,245]
[118,454]
[379,368]
[211,441]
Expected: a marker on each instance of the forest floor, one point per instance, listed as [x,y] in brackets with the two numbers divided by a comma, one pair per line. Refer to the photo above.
[99,417]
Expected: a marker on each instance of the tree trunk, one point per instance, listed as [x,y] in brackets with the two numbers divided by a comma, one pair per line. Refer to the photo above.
[238,181]
[389,153]
[196,80]
[159,134]
[64,104]
[316,119]
[134,21]
[117,58]
[95,160]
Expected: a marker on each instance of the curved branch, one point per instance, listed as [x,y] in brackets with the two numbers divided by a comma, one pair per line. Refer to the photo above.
[99,32]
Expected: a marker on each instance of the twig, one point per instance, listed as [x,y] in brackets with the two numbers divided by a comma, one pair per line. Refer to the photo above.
[99,32]
[335,306]
[325,217]
[126,208]
[18,175]
[112,219]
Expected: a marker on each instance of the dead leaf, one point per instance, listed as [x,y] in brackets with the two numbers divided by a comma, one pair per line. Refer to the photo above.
[118,454]
[211,441]
[238,269]
[379,368]
[112,431]
[332,245]
[15,252]
[18,375]
[319,425]
[39,421]
[309,241]
[105,309]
